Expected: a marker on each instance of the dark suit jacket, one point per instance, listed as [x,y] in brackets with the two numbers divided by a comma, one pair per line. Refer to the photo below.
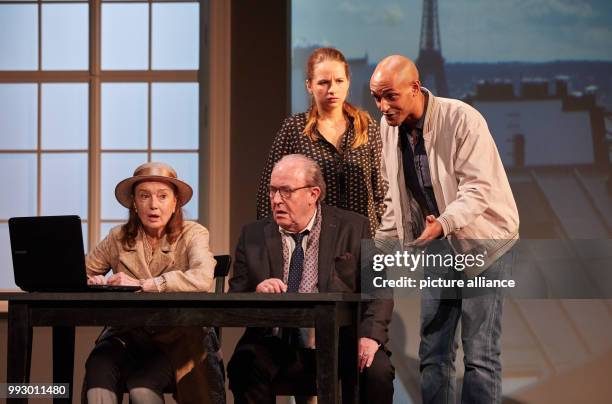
[259,256]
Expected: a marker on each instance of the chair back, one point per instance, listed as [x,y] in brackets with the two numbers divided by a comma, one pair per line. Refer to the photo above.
[221,271]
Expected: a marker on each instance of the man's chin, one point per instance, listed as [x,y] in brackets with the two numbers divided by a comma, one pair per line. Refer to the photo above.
[285,223]
[282,220]
[391,121]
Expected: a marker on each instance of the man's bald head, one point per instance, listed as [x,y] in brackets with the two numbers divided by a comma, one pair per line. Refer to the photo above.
[396,89]
[396,67]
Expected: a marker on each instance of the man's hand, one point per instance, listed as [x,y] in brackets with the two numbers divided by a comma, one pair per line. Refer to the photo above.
[272,285]
[96,280]
[121,278]
[433,230]
[367,350]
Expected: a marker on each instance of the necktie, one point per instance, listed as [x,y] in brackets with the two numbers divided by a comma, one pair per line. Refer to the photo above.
[296,265]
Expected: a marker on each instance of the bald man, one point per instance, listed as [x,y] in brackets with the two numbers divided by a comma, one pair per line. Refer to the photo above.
[446,181]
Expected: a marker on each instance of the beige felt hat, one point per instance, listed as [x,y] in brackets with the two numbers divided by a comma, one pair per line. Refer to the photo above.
[152,172]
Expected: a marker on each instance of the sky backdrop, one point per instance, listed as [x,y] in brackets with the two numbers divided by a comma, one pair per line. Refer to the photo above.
[470,30]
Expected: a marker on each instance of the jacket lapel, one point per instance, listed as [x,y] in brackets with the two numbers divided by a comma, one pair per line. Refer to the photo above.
[427,131]
[429,137]
[129,258]
[327,243]
[164,259]
[274,246]
[132,259]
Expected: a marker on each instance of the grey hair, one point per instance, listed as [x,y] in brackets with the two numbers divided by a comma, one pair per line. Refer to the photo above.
[312,171]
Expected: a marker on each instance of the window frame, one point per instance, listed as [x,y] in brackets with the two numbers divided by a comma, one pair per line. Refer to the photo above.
[94,77]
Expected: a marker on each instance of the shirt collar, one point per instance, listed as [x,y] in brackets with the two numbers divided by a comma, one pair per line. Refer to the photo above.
[421,122]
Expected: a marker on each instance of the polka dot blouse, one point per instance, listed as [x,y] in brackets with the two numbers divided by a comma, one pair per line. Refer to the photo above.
[352,175]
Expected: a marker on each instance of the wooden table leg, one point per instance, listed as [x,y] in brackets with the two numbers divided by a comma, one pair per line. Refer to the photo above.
[326,335]
[63,360]
[19,353]
[349,369]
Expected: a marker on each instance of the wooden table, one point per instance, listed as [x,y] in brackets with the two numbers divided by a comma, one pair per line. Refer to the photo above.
[326,312]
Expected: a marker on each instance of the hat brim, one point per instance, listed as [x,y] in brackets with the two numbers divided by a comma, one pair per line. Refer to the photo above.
[124,190]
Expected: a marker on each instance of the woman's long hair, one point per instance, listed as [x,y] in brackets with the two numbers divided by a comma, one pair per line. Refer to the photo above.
[174,227]
[361,119]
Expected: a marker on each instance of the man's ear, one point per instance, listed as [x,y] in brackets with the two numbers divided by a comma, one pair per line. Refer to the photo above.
[316,191]
[416,87]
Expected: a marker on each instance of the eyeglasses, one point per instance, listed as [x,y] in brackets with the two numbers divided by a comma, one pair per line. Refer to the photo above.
[285,192]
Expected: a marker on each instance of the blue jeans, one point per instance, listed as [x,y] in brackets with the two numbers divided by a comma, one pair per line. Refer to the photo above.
[480,315]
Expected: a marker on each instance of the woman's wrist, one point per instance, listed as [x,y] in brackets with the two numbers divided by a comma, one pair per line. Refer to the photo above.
[159,283]
[148,285]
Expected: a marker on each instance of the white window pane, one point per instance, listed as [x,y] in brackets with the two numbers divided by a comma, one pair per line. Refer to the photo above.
[174,115]
[175,36]
[64,184]
[116,167]
[64,116]
[18,185]
[85,230]
[65,35]
[186,166]
[18,37]
[125,35]
[18,117]
[124,116]
[7,280]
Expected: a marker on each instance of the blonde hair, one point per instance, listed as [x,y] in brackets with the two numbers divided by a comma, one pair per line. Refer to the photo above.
[361,119]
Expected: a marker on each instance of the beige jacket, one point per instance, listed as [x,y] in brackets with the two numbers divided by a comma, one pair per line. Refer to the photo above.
[187,265]
[477,208]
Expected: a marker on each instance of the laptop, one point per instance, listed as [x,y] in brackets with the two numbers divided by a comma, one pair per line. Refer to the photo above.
[48,255]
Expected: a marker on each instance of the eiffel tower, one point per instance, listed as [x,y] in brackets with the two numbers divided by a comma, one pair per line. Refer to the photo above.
[430,61]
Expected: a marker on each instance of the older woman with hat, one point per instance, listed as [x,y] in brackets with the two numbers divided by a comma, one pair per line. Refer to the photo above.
[160,252]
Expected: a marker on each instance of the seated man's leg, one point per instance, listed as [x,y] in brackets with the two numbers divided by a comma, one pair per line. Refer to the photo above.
[252,368]
[300,376]
[103,372]
[438,347]
[147,382]
[377,380]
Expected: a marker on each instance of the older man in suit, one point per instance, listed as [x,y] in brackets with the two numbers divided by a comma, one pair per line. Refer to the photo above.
[304,247]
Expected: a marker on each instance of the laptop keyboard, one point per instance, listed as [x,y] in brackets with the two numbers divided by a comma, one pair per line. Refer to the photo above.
[113,288]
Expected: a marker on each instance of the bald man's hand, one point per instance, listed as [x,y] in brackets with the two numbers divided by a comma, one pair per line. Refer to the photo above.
[433,230]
